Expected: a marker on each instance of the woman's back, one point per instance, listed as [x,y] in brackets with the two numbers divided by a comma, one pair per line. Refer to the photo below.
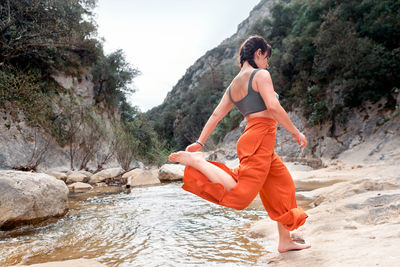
[245,95]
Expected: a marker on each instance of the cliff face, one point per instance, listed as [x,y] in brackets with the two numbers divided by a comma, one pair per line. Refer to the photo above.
[19,141]
[367,136]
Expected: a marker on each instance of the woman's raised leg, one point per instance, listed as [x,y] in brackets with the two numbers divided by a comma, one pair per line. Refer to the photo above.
[212,172]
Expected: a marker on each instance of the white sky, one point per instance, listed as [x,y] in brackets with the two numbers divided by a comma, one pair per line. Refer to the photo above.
[164,38]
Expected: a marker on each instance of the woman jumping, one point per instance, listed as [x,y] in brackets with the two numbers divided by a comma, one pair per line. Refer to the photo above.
[260,170]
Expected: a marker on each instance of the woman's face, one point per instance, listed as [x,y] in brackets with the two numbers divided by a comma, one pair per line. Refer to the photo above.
[261,59]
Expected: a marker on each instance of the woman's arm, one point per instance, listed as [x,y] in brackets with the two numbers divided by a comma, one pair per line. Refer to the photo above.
[266,88]
[224,106]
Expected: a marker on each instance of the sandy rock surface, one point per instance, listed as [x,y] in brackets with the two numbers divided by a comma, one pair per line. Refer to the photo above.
[58,175]
[80,187]
[76,176]
[138,177]
[171,172]
[105,174]
[69,263]
[353,218]
[26,196]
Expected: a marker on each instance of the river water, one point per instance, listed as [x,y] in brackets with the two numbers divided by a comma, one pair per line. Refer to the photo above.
[147,226]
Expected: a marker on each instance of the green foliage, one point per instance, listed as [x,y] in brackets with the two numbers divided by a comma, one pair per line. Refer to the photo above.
[48,34]
[112,76]
[126,146]
[180,121]
[327,55]
[30,92]
[228,123]
[38,38]
[348,48]
[149,148]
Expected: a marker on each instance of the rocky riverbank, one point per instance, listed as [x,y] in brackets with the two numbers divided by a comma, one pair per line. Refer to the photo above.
[30,197]
[27,197]
[353,217]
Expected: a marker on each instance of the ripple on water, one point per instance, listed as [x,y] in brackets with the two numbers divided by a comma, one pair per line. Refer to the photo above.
[149,226]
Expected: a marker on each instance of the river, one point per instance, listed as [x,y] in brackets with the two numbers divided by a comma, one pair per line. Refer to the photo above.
[146,226]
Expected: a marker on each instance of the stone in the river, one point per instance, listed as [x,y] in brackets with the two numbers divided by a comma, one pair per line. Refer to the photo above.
[27,197]
[105,174]
[88,174]
[80,187]
[138,177]
[76,176]
[69,263]
[59,175]
[171,172]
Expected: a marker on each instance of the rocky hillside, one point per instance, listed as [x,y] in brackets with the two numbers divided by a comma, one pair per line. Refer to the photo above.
[222,55]
[63,100]
[340,104]
[367,136]
[19,141]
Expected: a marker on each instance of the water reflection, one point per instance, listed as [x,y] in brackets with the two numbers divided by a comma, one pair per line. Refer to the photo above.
[148,226]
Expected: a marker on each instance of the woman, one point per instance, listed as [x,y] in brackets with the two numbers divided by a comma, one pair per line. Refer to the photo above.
[260,170]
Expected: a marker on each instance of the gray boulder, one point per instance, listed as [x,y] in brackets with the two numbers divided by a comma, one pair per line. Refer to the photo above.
[80,187]
[76,176]
[59,175]
[139,177]
[105,174]
[171,172]
[28,197]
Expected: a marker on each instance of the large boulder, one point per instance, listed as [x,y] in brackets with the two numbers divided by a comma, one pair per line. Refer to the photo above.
[88,174]
[105,174]
[80,187]
[28,197]
[76,176]
[171,172]
[59,175]
[138,177]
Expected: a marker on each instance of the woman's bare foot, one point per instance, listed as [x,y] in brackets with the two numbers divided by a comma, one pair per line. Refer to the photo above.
[286,242]
[291,245]
[186,158]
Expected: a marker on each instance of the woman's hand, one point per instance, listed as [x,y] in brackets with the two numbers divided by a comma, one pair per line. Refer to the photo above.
[193,147]
[300,139]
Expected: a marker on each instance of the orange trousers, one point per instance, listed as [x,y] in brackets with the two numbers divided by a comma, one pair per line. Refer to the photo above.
[260,171]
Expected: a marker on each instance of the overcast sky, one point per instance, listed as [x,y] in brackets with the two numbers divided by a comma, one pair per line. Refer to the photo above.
[164,38]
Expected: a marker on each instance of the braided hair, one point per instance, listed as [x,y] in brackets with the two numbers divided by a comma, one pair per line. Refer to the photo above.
[250,46]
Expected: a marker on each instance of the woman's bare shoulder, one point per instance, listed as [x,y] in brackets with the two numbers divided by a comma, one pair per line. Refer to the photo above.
[262,75]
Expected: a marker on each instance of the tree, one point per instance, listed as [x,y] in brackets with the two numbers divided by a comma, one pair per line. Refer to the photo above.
[38,153]
[91,137]
[112,76]
[70,119]
[46,33]
[126,146]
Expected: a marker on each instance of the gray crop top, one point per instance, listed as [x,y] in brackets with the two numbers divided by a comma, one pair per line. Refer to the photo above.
[252,102]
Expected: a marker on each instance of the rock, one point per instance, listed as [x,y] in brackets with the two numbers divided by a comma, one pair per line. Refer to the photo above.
[88,174]
[171,172]
[80,187]
[138,177]
[358,206]
[27,197]
[75,176]
[100,184]
[69,263]
[105,174]
[58,175]
[263,228]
